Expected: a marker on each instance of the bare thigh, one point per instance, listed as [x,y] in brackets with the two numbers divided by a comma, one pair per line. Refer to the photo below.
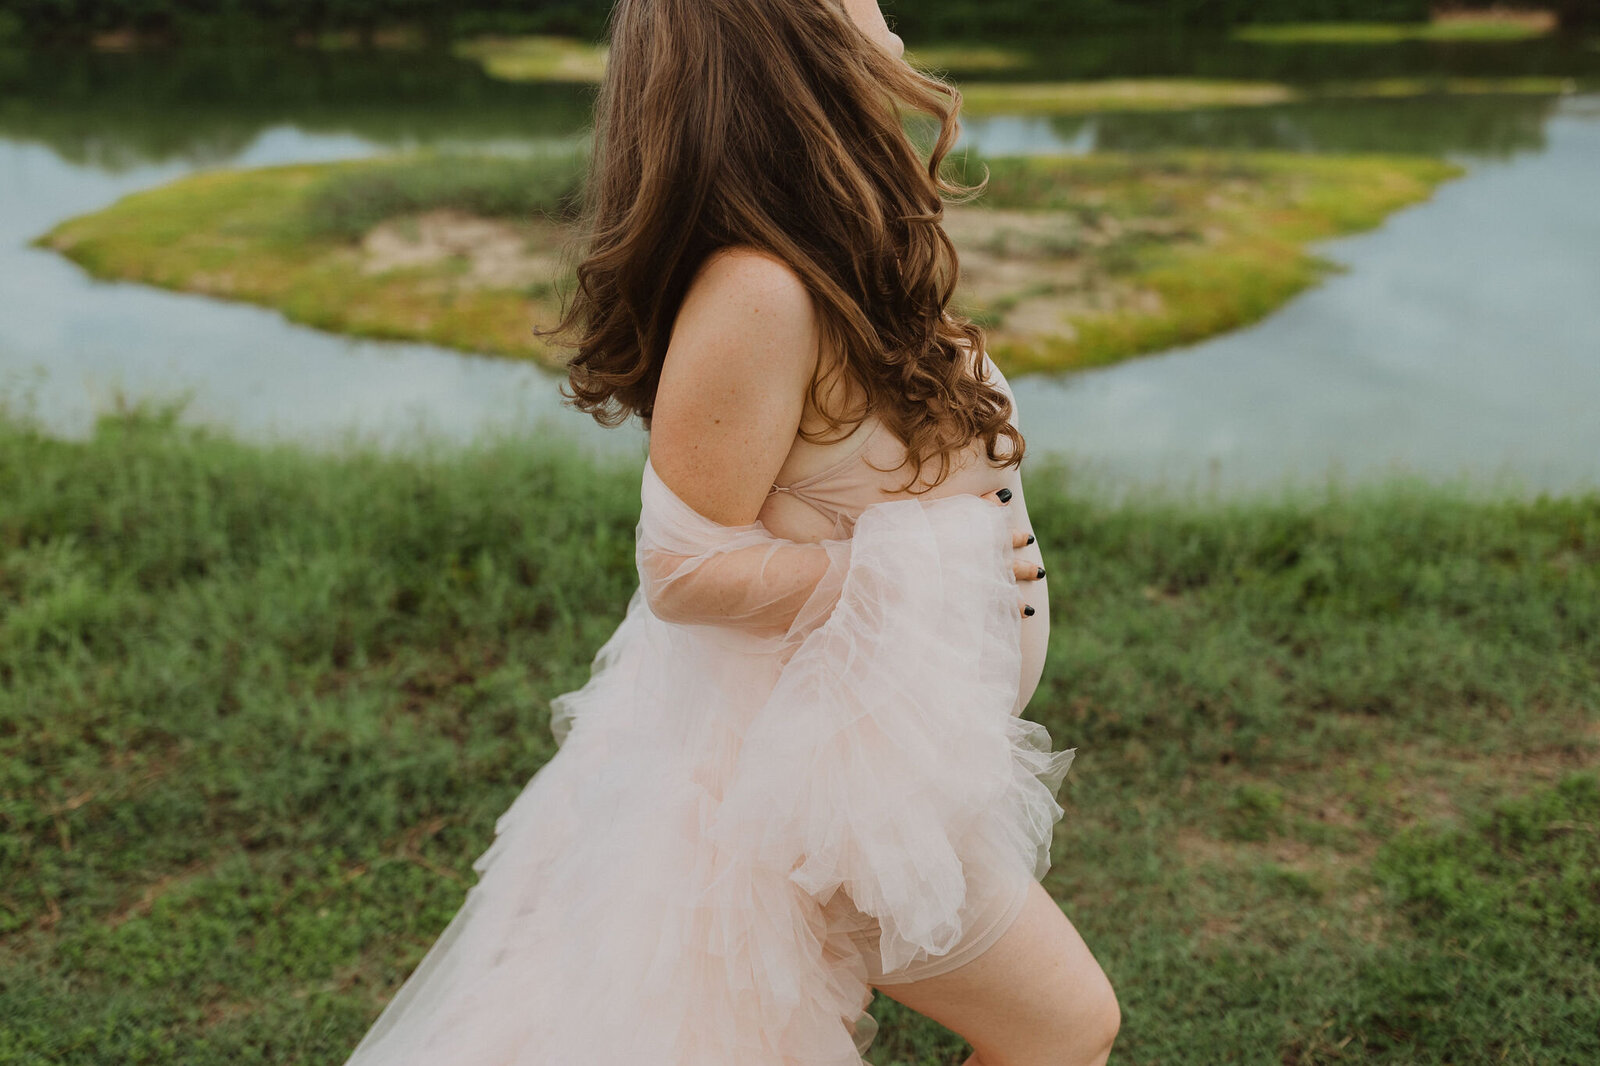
[1037,997]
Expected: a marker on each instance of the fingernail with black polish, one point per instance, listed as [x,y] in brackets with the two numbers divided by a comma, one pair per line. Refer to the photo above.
[1040,573]
[1004,495]
[1028,610]
[1030,538]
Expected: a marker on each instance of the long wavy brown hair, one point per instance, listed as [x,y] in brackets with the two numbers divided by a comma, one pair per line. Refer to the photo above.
[776,125]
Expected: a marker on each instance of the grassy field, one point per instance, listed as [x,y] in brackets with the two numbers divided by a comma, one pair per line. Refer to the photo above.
[1486,26]
[1336,795]
[1070,262]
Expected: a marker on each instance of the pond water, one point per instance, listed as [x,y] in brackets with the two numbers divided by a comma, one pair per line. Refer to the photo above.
[1463,340]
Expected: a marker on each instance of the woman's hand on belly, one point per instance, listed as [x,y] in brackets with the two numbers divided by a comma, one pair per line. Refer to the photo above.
[1025,569]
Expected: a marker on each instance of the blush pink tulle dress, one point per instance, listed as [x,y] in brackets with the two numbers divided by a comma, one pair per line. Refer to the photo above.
[798,770]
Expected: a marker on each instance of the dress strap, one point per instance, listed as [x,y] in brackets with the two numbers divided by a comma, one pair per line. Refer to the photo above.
[842,520]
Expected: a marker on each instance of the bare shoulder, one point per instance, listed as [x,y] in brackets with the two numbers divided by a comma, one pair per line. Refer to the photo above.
[741,282]
[733,385]
[746,315]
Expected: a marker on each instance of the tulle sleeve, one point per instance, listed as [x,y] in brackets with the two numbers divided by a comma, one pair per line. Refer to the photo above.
[763,587]
[693,571]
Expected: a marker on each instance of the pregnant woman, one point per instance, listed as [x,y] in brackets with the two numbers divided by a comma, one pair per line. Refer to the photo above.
[799,769]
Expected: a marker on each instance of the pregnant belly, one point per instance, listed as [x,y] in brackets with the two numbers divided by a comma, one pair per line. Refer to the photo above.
[793,520]
[1035,592]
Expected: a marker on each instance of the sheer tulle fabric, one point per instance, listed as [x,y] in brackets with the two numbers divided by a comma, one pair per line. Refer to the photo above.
[771,723]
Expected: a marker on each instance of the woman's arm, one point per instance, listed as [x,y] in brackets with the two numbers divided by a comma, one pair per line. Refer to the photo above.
[772,587]
[733,384]
[732,393]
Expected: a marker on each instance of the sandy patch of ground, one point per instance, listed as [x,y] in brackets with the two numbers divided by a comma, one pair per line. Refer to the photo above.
[486,253]
[1342,884]
[1030,272]
[1535,20]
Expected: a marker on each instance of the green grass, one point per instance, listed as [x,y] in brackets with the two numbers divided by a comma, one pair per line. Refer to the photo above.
[1369,33]
[1519,885]
[1188,245]
[1335,797]
[536,58]
[1130,94]
[967,57]
[349,201]
[1187,94]
[1392,88]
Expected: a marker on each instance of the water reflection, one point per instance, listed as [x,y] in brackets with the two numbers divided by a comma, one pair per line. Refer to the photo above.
[204,106]
[1492,127]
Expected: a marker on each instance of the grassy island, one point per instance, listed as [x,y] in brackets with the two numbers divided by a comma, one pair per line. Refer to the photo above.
[1070,262]
[1335,797]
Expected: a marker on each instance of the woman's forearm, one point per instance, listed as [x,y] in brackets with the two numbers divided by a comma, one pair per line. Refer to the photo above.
[771,586]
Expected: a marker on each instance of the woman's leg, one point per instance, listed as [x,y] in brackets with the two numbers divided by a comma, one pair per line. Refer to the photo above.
[1035,998]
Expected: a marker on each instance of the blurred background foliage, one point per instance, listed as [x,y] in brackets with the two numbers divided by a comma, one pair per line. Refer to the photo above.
[444,19]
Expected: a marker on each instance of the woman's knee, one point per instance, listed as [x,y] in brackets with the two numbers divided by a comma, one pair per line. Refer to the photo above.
[1104,1019]
[1085,1024]
[1070,1022]
[1037,997]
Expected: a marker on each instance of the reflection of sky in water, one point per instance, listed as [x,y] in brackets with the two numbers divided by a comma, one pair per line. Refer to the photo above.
[1026,135]
[504,146]
[1462,339]
[1468,126]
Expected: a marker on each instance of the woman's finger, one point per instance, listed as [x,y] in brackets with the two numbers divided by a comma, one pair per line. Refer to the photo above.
[1026,571]
[998,497]
[1021,538]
